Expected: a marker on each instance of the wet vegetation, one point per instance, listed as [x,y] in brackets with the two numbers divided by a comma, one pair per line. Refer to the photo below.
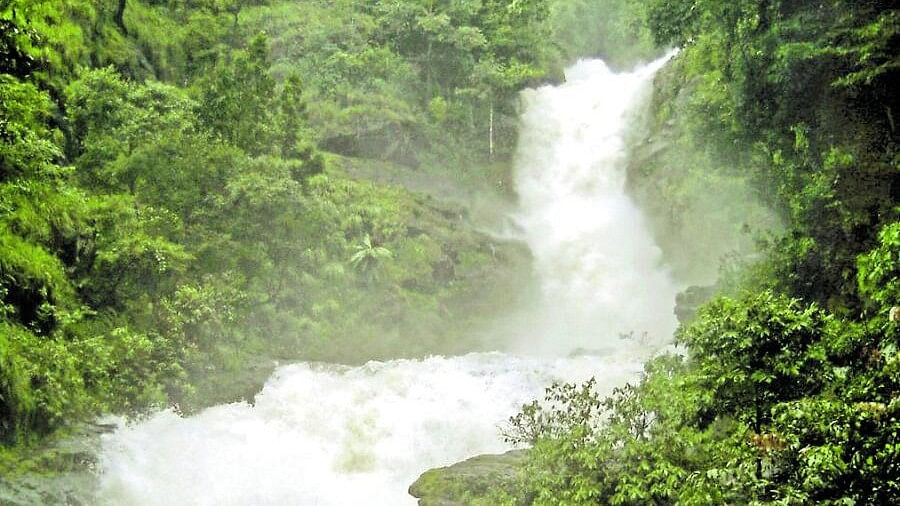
[774,129]
[180,197]
[188,186]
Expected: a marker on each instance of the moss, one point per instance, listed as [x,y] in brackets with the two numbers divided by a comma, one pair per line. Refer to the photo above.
[468,481]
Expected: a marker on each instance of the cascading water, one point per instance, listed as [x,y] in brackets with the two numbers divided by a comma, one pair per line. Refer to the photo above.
[336,435]
[599,268]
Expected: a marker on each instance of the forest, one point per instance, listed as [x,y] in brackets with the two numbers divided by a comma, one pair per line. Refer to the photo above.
[186,187]
[786,391]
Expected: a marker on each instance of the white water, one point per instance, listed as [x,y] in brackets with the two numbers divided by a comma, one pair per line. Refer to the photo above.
[336,435]
[599,268]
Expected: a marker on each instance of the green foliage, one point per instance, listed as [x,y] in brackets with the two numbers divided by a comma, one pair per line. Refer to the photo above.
[27,145]
[786,82]
[166,214]
[879,269]
[638,446]
[779,403]
[672,23]
[50,31]
[33,283]
[16,401]
[756,352]
[372,71]
[368,257]
[788,394]
[237,99]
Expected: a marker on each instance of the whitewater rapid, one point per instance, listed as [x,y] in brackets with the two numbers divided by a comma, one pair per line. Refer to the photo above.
[333,435]
[324,434]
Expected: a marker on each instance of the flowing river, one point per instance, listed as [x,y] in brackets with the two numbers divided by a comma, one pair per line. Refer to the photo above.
[321,434]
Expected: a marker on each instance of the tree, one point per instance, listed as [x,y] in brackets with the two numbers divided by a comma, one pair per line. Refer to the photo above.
[756,352]
[368,258]
[237,99]
[119,16]
[28,146]
[14,44]
[879,270]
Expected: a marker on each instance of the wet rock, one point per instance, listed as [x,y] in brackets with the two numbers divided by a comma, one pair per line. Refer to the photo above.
[70,489]
[459,484]
[60,472]
[688,301]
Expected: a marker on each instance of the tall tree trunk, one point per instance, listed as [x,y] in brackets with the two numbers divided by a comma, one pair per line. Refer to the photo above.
[119,17]
[428,76]
[757,428]
[491,132]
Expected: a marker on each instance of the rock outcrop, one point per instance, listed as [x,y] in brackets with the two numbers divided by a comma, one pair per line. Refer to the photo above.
[461,483]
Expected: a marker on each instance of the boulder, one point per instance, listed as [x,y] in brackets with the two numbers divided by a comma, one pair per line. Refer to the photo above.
[459,484]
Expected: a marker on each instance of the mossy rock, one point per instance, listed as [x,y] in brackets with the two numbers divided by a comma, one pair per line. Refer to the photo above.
[464,482]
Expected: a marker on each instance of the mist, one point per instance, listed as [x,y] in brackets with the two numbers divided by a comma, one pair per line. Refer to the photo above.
[611,30]
[280,252]
[708,218]
[329,434]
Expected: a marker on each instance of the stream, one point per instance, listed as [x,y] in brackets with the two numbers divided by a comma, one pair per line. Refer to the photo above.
[326,434]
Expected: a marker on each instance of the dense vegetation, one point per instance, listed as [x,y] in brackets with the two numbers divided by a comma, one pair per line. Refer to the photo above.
[180,193]
[180,190]
[787,392]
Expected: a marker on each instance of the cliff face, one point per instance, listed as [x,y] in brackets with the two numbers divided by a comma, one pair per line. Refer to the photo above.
[703,214]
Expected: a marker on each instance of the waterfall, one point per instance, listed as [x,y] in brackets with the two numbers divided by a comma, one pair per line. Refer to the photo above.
[600,269]
[321,434]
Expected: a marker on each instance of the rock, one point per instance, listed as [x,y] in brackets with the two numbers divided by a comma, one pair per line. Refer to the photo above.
[59,472]
[687,302]
[223,386]
[459,484]
[71,489]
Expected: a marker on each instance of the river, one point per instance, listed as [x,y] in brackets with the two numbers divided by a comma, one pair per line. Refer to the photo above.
[325,434]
